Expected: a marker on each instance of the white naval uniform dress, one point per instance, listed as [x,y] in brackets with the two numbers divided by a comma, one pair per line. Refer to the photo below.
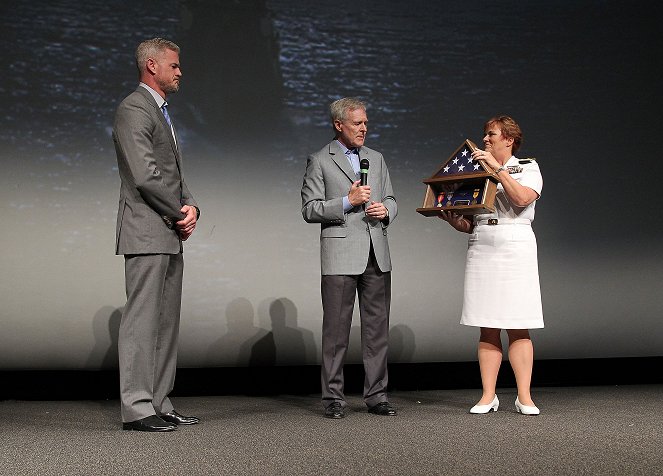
[501,273]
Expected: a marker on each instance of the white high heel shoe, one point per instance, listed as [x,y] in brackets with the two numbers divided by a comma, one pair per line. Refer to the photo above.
[526,409]
[492,406]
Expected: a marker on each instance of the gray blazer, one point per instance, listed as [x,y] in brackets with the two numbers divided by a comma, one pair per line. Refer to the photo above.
[345,238]
[152,190]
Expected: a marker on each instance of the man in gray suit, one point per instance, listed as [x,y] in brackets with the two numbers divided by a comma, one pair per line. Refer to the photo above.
[354,254]
[156,213]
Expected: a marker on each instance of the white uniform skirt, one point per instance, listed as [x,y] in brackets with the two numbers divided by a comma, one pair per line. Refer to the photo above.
[502,278]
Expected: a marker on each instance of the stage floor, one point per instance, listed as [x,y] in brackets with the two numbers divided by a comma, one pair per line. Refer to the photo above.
[581,430]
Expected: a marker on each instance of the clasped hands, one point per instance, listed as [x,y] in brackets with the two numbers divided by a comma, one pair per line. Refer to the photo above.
[360,194]
[187,224]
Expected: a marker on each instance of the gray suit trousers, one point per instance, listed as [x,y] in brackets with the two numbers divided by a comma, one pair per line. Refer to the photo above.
[338,297]
[148,334]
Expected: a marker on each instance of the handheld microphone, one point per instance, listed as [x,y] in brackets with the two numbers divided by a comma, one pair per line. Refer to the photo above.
[363,171]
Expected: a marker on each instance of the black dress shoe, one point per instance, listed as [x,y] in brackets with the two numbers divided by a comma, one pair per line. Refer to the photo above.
[150,423]
[335,410]
[383,409]
[177,419]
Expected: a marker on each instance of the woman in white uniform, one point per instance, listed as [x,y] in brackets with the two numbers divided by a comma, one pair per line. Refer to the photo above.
[501,275]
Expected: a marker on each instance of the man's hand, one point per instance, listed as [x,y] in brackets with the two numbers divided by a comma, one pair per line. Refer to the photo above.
[359,194]
[376,210]
[456,220]
[187,224]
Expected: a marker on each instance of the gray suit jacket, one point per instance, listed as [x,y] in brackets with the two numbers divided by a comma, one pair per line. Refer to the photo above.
[345,238]
[152,191]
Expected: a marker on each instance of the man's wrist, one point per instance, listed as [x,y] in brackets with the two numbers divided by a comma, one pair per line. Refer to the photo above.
[347,205]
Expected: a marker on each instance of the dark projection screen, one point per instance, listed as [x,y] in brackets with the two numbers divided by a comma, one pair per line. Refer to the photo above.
[258,77]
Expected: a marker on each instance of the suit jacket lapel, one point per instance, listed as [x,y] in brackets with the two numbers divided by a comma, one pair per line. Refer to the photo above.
[164,123]
[337,155]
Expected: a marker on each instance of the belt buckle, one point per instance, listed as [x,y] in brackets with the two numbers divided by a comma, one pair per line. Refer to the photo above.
[492,221]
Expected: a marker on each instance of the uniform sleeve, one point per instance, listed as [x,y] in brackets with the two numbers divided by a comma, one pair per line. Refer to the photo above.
[531,177]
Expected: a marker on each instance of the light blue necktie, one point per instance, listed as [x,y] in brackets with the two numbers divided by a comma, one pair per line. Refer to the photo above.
[164,108]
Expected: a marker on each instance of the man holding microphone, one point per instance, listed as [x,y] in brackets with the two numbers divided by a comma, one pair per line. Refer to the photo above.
[354,216]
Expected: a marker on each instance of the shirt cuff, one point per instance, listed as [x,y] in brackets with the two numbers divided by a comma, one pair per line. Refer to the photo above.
[346,205]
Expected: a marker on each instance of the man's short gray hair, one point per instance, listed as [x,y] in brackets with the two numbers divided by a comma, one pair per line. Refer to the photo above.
[151,48]
[339,108]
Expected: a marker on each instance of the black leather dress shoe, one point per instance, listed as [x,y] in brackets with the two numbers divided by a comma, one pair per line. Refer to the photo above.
[383,409]
[177,419]
[150,423]
[335,410]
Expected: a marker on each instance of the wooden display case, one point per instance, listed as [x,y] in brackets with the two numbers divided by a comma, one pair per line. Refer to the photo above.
[461,185]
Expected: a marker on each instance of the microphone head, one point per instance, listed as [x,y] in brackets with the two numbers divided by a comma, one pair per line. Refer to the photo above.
[363,164]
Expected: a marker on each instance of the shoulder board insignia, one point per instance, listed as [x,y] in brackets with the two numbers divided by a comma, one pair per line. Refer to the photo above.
[527,160]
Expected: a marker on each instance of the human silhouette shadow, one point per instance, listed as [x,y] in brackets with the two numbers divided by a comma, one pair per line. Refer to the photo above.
[105,328]
[235,346]
[286,343]
[401,344]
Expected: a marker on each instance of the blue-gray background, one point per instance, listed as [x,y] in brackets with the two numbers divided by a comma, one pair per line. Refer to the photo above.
[579,76]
